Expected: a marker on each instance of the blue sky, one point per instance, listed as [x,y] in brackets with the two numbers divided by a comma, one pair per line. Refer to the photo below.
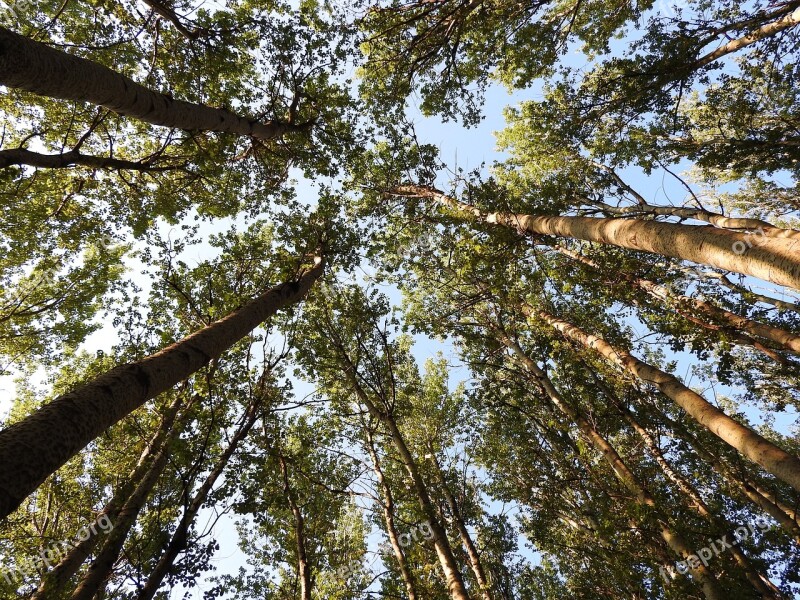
[461,148]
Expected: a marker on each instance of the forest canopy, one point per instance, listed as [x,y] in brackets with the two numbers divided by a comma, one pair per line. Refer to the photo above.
[262,335]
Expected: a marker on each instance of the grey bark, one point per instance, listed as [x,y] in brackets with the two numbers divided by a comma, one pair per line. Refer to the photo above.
[37,446]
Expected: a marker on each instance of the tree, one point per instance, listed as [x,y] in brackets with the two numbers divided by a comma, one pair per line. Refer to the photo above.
[103,401]
[569,373]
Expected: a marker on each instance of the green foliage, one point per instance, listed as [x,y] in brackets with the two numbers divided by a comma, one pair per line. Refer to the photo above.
[355,432]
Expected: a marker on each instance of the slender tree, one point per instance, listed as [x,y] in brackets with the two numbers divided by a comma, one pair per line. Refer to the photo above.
[179,538]
[388,509]
[752,445]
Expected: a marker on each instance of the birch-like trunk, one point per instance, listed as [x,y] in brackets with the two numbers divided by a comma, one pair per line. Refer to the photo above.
[769,29]
[35,67]
[715,219]
[34,448]
[777,461]
[709,584]
[772,259]
[788,517]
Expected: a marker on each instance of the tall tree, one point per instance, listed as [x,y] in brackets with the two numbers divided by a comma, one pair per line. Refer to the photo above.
[100,403]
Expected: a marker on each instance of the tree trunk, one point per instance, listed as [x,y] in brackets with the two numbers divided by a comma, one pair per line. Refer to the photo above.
[688,307]
[699,214]
[788,517]
[466,539]
[455,583]
[772,259]
[170,15]
[388,517]
[35,67]
[21,156]
[752,296]
[303,566]
[54,581]
[711,588]
[100,569]
[447,560]
[752,445]
[758,580]
[37,446]
[790,20]
[179,539]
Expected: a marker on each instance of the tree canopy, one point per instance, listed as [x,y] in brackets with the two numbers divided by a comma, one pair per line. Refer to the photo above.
[262,337]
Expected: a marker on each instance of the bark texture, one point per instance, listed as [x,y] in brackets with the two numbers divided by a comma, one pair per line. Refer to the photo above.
[37,446]
[749,443]
[773,259]
[715,219]
[35,67]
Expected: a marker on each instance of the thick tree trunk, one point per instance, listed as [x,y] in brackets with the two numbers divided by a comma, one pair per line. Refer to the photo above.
[54,581]
[37,446]
[752,445]
[711,588]
[466,538]
[388,517]
[179,539]
[772,259]
[38,68]
[689,307]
